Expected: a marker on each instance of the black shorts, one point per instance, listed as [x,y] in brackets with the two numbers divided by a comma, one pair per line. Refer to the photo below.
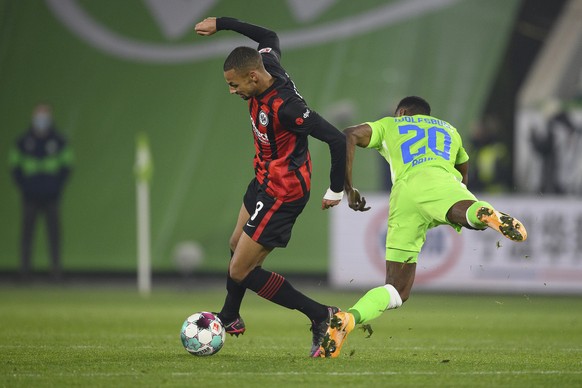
[271,220]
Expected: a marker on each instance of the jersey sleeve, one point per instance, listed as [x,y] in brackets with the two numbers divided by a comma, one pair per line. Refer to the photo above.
[271,59]
[378,131]
[462,156]
[298,118]
[266,38]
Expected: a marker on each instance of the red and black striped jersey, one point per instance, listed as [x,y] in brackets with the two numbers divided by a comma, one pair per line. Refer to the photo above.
[281,122]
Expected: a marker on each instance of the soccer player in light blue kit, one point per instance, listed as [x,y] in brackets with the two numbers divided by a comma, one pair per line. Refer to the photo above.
[429,169]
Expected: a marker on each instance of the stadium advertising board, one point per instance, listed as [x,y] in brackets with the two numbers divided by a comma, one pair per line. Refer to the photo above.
[550,261]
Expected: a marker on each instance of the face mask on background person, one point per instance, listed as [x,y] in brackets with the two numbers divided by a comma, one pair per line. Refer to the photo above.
[41,123]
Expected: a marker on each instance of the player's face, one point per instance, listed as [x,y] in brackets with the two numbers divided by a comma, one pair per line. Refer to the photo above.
[240,83]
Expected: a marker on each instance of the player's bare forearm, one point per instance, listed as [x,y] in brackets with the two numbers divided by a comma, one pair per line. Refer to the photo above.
[463,168]
[358,135]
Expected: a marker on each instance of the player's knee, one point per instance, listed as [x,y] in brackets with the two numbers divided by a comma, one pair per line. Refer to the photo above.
[396,299]
[236,274]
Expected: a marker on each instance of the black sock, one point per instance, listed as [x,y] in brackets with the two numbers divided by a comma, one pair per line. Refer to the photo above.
[234,296]
[277,289]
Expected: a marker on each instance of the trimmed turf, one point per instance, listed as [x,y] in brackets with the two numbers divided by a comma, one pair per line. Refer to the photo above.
[51,336]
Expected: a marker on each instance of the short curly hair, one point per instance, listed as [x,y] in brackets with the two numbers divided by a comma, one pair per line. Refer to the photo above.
[414,105]
[243,58]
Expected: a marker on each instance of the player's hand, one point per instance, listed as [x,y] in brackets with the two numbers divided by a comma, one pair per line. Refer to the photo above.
[206,27]
[357,202]
[327,203]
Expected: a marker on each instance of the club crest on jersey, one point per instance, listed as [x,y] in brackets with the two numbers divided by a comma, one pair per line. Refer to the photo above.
[263,119]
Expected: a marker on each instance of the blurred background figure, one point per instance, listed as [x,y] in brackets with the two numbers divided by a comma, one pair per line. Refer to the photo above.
[491,159]
[41,162]
[558,148]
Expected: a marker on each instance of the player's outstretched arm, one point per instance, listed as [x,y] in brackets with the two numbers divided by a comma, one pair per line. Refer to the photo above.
[263,36]
[358,135]
[463,168]
[296,117]
[336,141]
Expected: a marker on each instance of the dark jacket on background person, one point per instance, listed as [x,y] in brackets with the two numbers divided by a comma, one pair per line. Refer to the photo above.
[40,165]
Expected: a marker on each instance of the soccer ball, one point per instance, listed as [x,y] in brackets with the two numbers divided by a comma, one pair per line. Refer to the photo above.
[202,334]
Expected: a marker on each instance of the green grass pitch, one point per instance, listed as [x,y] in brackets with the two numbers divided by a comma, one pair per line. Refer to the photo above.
[71,336]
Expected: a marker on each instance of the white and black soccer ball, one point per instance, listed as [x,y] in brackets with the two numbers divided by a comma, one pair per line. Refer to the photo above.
[202,334]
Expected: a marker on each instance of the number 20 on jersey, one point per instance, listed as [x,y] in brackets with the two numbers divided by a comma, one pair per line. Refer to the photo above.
[433,134]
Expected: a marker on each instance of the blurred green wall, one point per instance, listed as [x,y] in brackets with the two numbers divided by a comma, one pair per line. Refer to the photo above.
[200,135]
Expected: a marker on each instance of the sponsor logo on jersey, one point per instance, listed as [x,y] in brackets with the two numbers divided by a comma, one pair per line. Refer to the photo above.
[300,120]
[262,137]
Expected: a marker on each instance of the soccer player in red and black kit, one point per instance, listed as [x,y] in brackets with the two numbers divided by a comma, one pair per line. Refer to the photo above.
[281,122]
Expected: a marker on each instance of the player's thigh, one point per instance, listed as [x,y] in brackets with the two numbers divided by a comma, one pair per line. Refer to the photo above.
[401,276]
[243,216]
[438,192]
[249,202]
[406,226]
[247,256]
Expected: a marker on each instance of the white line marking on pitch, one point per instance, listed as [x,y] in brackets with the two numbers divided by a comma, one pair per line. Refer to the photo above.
[384,373]
[387,373]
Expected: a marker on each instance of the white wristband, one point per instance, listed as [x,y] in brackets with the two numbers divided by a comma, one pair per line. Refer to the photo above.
[333,196]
